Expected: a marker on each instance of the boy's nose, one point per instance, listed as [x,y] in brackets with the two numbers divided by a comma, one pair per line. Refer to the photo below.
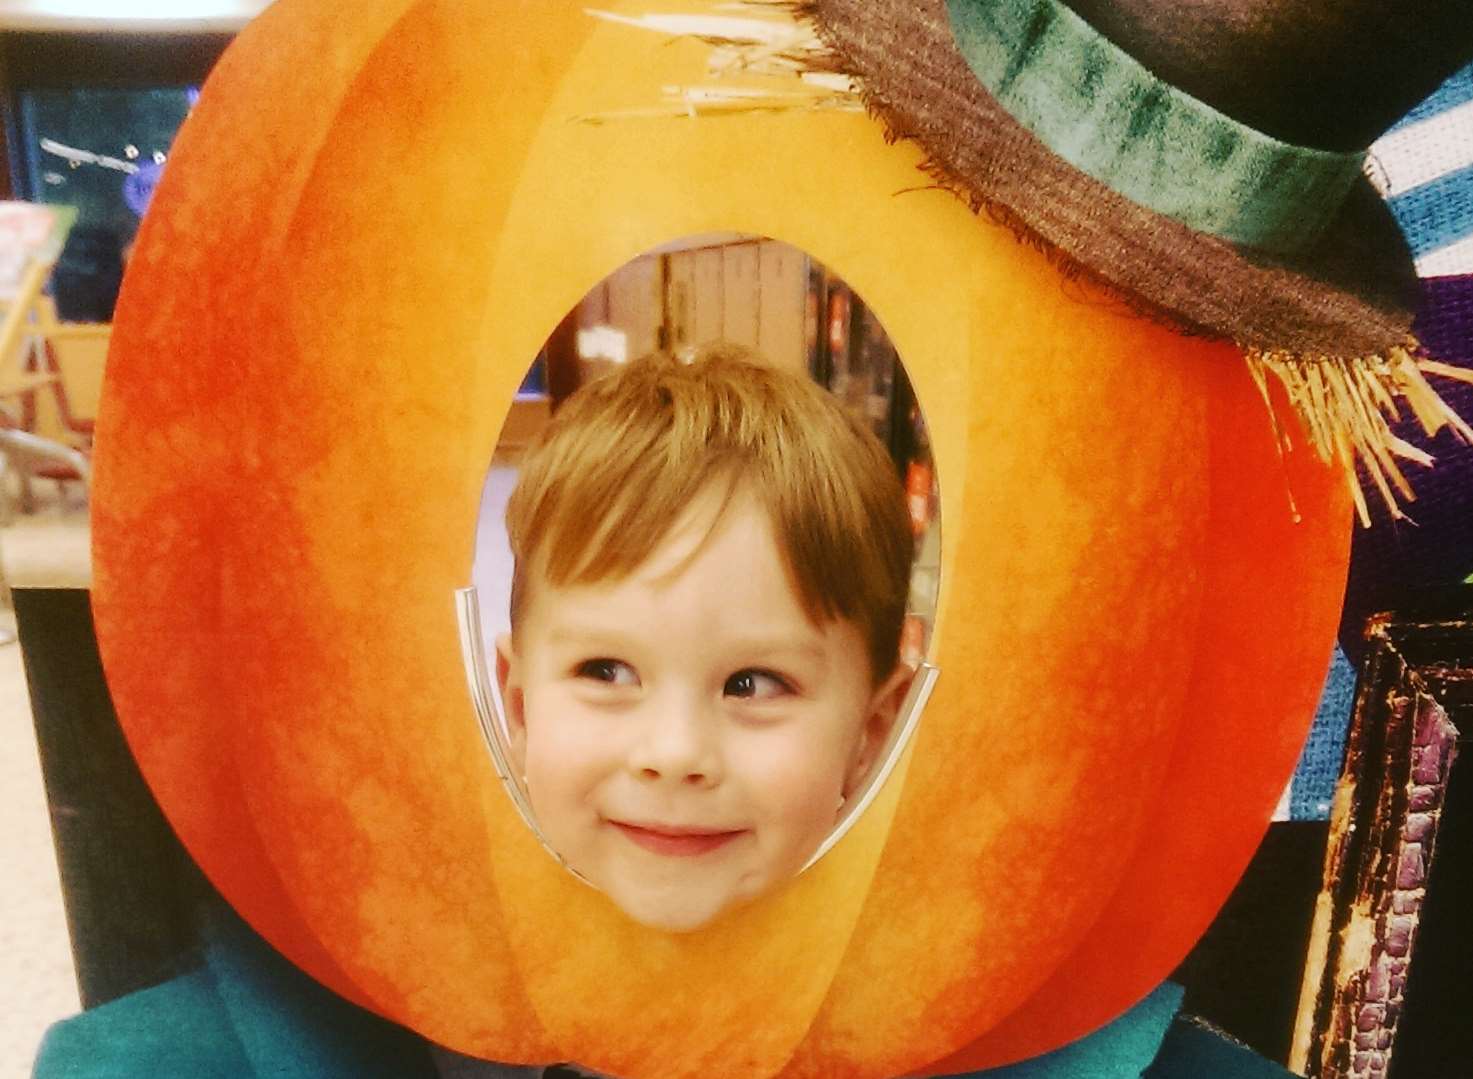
[676,743]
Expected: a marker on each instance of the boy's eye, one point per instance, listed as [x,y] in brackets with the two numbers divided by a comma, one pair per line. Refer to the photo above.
[612,671]
[756,685]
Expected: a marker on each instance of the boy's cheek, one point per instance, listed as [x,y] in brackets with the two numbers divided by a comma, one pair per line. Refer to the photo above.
[804,772]
[564,751]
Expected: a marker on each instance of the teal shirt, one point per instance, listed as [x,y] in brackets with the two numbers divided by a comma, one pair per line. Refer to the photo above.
[248,1013]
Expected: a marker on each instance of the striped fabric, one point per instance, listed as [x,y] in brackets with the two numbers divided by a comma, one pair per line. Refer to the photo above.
[1424,168]
[1313,787]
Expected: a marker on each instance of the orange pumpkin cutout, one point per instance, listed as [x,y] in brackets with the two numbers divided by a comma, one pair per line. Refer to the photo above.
[372,219]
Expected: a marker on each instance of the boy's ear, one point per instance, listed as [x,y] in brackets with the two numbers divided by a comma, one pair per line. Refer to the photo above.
[879,721]
[513,700]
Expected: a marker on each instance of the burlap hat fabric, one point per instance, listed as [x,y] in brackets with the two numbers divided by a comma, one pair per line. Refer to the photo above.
[1351,293]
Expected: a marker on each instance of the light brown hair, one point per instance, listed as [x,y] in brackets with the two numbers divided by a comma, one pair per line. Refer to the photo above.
[627,453]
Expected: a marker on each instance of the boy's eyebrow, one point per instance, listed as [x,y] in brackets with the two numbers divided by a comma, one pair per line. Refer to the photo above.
[786,646]
[580,632]
[752,646]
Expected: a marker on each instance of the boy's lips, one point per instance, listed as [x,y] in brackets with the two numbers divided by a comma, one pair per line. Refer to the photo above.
[675,840]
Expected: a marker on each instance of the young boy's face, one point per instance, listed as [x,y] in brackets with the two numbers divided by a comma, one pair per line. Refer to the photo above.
[686,734]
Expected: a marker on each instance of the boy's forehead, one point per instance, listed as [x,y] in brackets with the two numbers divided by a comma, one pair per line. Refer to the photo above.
[749,609]
[706,519]
[720,544]
[596,553]
[724,543]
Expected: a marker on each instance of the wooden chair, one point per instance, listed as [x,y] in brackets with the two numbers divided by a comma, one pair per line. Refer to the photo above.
[44,361]
[29,330]
[17,324]
[31,457]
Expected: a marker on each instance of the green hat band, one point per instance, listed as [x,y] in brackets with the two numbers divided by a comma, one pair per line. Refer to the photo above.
[1093,105]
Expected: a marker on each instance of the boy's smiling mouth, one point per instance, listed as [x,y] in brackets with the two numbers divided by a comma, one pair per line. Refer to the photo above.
[679,841]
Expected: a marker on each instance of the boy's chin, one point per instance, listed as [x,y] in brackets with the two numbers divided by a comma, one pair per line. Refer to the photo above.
[675,910]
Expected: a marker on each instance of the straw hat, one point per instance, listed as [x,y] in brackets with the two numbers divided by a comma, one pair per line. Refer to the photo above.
[1207,162]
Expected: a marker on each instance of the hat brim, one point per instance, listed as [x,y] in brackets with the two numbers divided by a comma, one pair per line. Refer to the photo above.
[1352,293]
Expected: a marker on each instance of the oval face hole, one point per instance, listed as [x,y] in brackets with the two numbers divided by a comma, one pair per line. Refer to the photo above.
[709,647]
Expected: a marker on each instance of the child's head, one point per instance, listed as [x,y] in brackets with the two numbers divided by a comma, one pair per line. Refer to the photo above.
[711,567]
